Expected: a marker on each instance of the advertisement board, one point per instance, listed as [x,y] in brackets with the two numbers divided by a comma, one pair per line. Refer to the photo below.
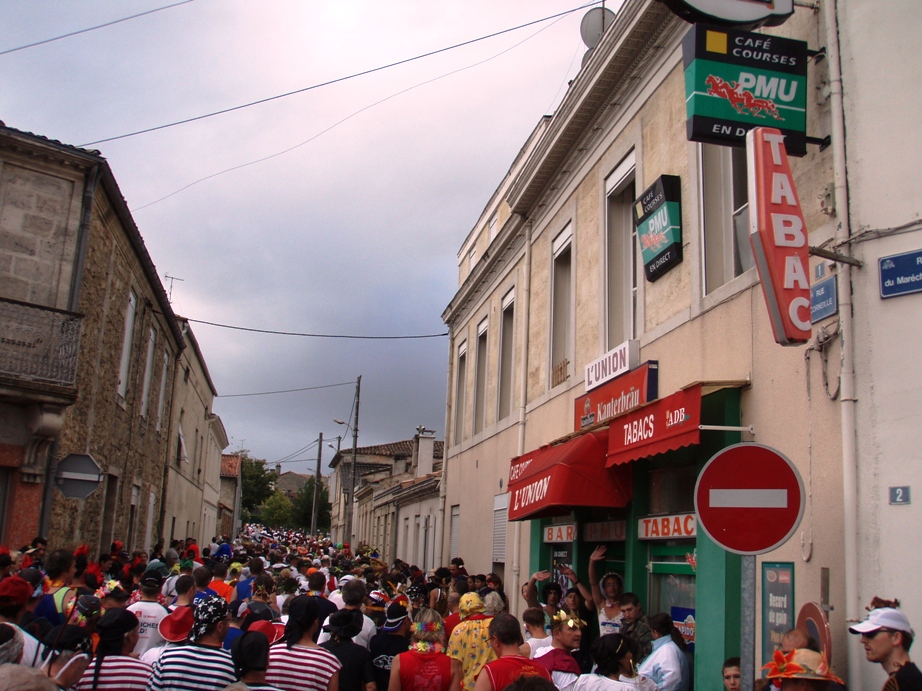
[777,605]
[618,396]
[658,217]
[735,81]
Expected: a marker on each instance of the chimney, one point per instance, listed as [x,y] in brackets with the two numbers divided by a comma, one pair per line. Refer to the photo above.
[425,450]
[278,469]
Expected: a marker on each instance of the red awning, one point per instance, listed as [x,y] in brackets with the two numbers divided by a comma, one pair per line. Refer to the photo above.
[664,425]
[552,480]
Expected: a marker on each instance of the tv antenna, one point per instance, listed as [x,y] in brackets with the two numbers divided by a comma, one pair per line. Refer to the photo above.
[171,279]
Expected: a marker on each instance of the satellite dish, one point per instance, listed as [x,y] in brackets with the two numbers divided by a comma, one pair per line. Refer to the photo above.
[586,56]
[594,24]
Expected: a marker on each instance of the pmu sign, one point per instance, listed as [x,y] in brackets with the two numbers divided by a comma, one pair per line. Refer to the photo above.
[735,80]
[749,498]
[658,216]
[778,236]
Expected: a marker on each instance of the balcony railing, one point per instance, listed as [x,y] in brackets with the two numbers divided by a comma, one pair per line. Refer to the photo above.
[39,343]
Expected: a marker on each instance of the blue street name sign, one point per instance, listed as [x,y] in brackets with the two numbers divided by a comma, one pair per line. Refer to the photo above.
[824,300]
[900,274]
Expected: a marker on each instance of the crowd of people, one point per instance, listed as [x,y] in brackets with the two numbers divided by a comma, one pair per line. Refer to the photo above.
[280,610]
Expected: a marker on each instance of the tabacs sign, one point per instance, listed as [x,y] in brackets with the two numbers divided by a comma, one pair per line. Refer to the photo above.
[658,216]
[735,81]
[779,237]
[743,14]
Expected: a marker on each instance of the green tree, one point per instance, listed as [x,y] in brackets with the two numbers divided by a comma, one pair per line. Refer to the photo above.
[278,511]
[304,506]
[256,482]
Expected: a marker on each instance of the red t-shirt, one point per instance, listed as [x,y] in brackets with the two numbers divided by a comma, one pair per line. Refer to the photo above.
[450,622]
[508,668]
[424,671]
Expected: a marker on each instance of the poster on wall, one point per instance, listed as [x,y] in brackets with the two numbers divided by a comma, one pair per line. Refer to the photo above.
[683,618]
[777,605]
[561,555]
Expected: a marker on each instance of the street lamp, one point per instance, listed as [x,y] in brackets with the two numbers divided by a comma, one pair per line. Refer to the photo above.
[355,445]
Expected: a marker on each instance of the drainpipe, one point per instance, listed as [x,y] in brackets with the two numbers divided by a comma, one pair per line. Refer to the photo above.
[83,235]
[848,403]
[443,481]
[523,401]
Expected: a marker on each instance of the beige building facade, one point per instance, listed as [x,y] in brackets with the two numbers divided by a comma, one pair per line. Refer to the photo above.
[192,482]
[557,282]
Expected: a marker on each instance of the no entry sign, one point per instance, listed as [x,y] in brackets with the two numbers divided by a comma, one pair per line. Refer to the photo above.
[749,498]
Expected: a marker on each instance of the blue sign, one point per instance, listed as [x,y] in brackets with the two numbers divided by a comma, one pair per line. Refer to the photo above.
[900,274]
[824,300]
[899,495]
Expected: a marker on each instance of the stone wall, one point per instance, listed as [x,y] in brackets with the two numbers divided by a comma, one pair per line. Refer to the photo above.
[130,448]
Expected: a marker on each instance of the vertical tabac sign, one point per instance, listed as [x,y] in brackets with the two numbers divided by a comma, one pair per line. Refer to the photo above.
[778,236]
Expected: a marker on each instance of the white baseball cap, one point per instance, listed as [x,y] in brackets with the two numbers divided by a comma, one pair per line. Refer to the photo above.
[883,618]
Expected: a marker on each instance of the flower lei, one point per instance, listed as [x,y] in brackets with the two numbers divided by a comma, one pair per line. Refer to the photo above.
[426,647]
[420,627]
[314,593]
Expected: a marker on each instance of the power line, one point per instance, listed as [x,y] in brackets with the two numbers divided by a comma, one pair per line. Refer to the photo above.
[311,335]
[92,28]
[347,118]
[338,79]
[268,393]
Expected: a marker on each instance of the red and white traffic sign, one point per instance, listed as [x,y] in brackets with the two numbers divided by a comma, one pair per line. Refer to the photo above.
[749,498]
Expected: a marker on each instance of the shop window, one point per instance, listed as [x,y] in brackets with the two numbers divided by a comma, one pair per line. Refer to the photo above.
[672,579]
[480,379]
[506,335]
[622,254]
[460,389]
[561,307]
[725,200]
[672,489]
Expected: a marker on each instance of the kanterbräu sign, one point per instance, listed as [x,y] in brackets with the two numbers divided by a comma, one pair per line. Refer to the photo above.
[618,396]
[778,236]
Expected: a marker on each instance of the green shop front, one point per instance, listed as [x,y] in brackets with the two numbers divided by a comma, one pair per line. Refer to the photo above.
[627,482]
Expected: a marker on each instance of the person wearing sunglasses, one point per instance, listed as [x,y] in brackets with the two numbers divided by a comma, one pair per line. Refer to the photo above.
[887,636]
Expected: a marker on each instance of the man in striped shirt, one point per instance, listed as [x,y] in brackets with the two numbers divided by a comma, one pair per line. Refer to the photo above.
[202,665]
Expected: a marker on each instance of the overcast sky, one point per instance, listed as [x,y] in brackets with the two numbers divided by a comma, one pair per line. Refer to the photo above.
[355,231]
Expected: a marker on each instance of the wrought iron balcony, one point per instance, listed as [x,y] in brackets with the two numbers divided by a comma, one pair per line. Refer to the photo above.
[39,343]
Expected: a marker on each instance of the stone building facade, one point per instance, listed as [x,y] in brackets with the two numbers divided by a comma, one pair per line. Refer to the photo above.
[71,250]
[229,500]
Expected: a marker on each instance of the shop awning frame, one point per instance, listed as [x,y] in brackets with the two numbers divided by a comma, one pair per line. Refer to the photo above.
[554,479]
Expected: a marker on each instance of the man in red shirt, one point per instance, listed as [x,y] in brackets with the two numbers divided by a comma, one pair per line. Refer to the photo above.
[505,639]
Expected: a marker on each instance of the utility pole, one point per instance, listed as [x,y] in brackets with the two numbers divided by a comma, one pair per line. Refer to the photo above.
[314,508]
[350,497]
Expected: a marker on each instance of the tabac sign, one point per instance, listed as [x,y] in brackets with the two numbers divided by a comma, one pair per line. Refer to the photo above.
[658,216]
[735,81]
[778,237]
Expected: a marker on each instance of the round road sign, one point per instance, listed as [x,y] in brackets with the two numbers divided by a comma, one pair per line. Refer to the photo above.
[749,498]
